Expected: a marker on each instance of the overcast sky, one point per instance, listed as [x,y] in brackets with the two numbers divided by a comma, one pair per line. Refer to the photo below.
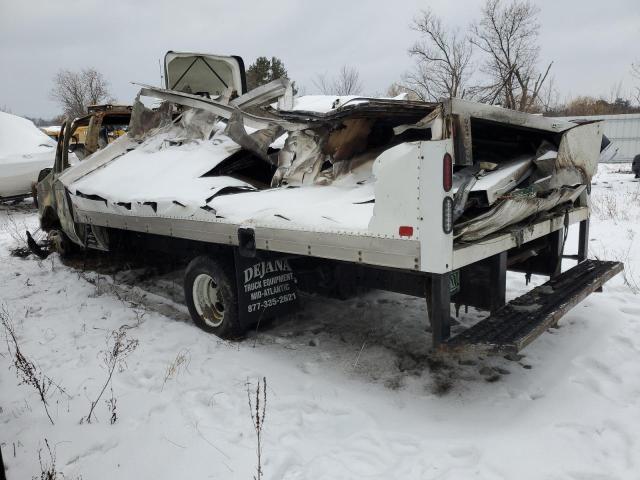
[592,42]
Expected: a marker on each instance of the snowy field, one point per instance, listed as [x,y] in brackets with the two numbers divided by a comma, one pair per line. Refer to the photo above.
[352,391]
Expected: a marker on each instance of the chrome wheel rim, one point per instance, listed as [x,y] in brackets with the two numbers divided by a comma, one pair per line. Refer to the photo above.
[208,300]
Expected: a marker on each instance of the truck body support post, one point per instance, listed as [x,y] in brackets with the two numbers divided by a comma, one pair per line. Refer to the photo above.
[583,244]
[556,245]
[438,306]
[583,241]
[498,280]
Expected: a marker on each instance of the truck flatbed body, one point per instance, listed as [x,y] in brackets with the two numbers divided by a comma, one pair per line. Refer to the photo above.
[435,199]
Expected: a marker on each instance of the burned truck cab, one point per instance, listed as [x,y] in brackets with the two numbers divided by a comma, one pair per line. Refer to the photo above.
[77,140]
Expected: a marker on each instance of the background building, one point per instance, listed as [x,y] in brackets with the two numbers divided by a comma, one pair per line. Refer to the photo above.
[623,130]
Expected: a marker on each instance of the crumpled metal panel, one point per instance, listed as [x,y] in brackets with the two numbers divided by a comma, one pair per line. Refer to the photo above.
[301,159]
[261,119]
[144,119]
[433,121]
[580,149]
[513,210]
[257,142]
[195,124]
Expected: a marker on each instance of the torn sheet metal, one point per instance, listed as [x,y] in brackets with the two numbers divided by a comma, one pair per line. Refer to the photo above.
[580,150]
[490,186]
[513,210]
[434,121]
[252,120]
[470,109]
[461,196]
[144,120]
[504,179]
[576,159]
[301,159]
[546,162]
[257,142]
[264,94]
[356,170]
[194,124]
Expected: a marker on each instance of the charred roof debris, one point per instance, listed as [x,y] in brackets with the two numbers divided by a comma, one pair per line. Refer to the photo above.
[509,166]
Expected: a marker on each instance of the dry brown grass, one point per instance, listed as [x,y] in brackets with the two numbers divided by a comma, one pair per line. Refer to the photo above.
[26,369]
[179,364]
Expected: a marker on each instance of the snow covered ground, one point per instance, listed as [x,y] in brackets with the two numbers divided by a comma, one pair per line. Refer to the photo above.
[352,390]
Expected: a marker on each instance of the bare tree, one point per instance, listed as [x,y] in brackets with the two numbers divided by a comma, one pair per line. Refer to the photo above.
[442,58]
[507,34]
[75,91]
[346,83]
[324,84]
[549,96]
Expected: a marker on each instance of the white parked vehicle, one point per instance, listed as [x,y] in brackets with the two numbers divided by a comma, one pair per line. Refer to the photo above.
[256,189]
[24,151]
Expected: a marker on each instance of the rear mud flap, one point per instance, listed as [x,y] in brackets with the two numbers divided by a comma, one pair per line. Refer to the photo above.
[267,286]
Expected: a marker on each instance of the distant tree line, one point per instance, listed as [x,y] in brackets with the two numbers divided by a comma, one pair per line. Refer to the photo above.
[584,105]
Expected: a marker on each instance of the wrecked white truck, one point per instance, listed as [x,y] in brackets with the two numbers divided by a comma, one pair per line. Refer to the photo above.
[263,193]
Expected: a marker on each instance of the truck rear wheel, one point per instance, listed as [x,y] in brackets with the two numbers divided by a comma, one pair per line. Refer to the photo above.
[210,293]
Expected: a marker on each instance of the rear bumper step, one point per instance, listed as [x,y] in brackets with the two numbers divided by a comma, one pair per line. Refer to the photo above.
[515,325]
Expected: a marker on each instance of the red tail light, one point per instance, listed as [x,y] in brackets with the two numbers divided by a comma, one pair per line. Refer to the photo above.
[447,172]
[405,231]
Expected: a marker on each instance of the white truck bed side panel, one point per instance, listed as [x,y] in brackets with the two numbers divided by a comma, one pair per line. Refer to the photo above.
[396,190]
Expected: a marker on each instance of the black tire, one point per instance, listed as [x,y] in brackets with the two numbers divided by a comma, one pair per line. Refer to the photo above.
[205,310]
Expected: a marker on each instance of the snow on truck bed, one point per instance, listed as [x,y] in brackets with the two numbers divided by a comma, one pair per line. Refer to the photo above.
[352,391]
[163,178]
[172,178]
